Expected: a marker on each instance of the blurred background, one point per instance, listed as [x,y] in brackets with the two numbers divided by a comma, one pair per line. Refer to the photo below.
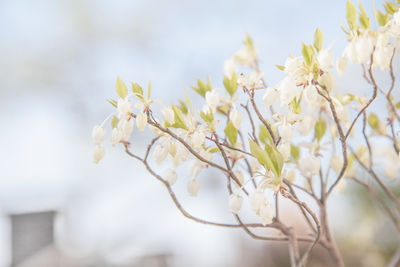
[58,63]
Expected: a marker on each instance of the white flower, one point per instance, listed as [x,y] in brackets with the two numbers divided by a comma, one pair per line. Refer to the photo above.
[311,95]
[382,57]
[254,80]
[364,48]
[309,165]
[284,149]
[325,59]
[116,136]
[235,203]
[126,127]
[336,163]
[396,17]
[239,175]
[327,80]
[160,154]
[292,65]
[306,125]
[266,213]
[171,177]
[351,52]
[98,134]
[256,199]
[286,132]
[141,121]
[341,65]
[212,99]
[168,115]
[236,118]
[98,153]
[193,187]
[196,167]
[230,67]
[198,138]
[124,108]
[271,96]
[288,89]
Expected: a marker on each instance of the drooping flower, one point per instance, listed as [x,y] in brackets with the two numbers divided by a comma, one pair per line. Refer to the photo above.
[168,115]
[212,99]
[336,163]
[266,213]
[98,153]
[256,199]
[141,121]
[124,108]
[341,65]
[171,177]
[271,97]
[116,136]
[325,59]
[236,118]
[193,187]
[305,125]
[98,134]
[286,132]
[309,165]
[235,203]
[160,154]
[288,90]
[284,149]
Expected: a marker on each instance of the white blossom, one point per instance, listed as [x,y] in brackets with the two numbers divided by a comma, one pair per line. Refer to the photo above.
[364,48]
[116,136]
[236,118]
[98,153]
[198,138]
[160,154]
[325,59]
[141,121]
[327,79]
[171,177]
[124,108]
[230,66]
[309,165]
[284,149]
[285,132]
[212,99]
[288,89]
[235,203]
[256,199]
[266,213]
[305,125]
[126,127]
[271,96]
[168,115]
[341,65]
[311,95]
[193,187]
[98,134]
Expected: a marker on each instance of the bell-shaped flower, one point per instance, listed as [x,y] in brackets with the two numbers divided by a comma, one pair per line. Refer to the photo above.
[212,99]
[284,149]
[325,59]
[288,89]
[271,97]
[116,136]
[126,127]
[124,108]
[98,153]
[141,121]
[98,134]
[364,47]
[256,200]
[286,132]
[235,203]
[351,52]
[311,95]
[309,165]
[198,138]
[160,154]
[266,213]
[193,187]
[171,177]
[236,118]
[305,125]
[341,65]
[168,115]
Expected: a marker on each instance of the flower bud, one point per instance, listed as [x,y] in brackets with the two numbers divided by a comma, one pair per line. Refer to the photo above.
[235,203]
[160,154]
[193,187]
[171,177]
[266,213]
[168,115]
[98,153]
[286,132]
[236,118]
[271,97]
[98,134]
[116,136]
[141,121]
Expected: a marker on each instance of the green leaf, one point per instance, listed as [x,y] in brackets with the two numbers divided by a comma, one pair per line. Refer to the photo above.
[373,121]
[179,121]
[351,15]
[280,67]
[213,150]
[294,151]
[149,90]
[207,117]
[270,158]
[382,18]
[112,102]
[183,107]
[137,90]
[264,135]
[398,105]
[248,41]
[121,88]
[231,133]
[202,87]
[308,54]
[390,7]
[294,106]
[231,84]
[364,19]
[276,158]
[320,128]
[114,122]
[318,39]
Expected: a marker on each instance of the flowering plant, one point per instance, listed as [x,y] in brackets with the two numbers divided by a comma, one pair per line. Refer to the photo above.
[306,141]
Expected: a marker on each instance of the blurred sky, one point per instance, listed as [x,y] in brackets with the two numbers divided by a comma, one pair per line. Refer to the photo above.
[59,61]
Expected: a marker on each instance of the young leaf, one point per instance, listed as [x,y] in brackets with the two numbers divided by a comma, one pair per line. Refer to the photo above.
[351,15]
[318,39]
[137,90]
[202,87]
[373,121]
[149,90]
[390,7]
[382,18]
[179,121]
[112,102]
[294,152]
[121,88]
[264,135]
[364,19]
[295,106]
[231,84]
[308,54]
[183,107]
[231,133]
[114,122]
[320,129]
[280,67]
